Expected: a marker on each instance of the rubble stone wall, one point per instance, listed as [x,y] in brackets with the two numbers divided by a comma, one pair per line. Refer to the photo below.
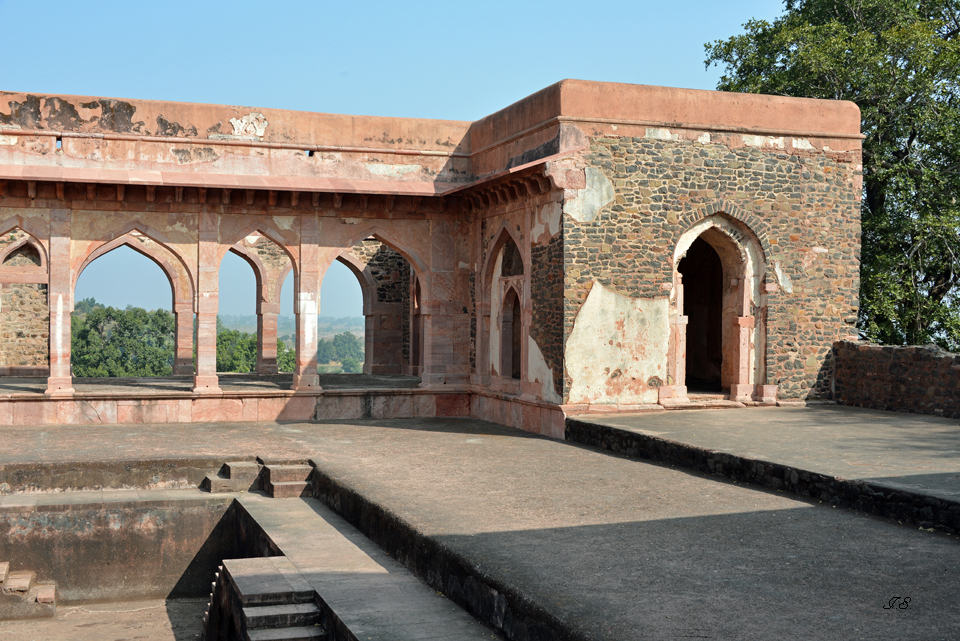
[924,379]
[800,202]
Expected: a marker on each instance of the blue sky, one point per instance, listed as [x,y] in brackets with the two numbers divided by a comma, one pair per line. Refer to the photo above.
[458,61]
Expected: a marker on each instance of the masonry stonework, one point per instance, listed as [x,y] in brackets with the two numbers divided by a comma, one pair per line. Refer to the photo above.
[535,263]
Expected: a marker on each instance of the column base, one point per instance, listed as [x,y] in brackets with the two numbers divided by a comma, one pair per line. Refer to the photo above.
[268,369]
[183,369]
[206,385]
[59,386]
[673,394]
[306,383]
[742,392]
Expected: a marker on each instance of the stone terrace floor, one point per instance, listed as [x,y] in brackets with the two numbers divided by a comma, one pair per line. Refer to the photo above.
[616,548]
[13,386]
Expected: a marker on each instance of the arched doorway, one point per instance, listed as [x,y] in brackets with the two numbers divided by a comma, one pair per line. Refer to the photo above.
[702,274]
[718,338]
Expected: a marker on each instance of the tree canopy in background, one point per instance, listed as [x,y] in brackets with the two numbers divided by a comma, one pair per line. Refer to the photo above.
[133,342]
[115,342]
[899,61]
[344,348]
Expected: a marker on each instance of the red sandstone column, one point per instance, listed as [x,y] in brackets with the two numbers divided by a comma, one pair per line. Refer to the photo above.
[205,381]
[308,306]
[60,379]
[742,390]
[183,339]
[676,387]
[267,338]
[431,373]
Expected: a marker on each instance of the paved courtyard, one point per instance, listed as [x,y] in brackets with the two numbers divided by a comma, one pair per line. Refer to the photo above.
[614,548]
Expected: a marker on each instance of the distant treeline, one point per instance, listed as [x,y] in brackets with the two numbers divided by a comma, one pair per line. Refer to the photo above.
[133,342]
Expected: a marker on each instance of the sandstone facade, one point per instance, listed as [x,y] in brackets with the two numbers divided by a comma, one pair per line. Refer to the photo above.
[592,246]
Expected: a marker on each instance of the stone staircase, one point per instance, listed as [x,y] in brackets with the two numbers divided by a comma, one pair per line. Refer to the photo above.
[23,597]
[262,599]
[287,481]
[234,476]
[279,479]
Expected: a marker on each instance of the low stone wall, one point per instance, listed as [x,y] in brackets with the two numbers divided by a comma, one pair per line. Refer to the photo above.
[924,380]
[866,496]
[119,550]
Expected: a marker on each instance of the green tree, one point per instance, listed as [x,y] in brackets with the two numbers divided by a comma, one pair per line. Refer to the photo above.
[286,358]
[326,352]
[236,351]
[131,342]
[352,365]
[347,345]
[899,61]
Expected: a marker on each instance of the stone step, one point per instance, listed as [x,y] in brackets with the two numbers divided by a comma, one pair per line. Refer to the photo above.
[281,616]
[287,489]
[312,633]
[19,582]
[44,593]
[218,483]
[4,571]
[288,473]
[241,470]
[267,581]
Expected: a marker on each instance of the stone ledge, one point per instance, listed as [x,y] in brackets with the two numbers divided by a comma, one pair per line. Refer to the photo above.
[901,505]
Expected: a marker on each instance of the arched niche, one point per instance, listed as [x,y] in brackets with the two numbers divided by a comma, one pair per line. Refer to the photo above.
[503,329]
[718,338]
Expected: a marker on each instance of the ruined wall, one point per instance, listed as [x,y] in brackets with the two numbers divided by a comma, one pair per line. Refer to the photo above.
[391,272]
[642,192]
[921,379]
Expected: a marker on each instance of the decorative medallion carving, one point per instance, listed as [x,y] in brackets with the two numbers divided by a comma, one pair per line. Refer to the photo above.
[253,124]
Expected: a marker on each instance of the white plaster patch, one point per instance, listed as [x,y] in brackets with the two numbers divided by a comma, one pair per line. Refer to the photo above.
[284,222]
[661,134]
[763,141]
[308,312]
[617,345]
[588,202]
[802,143]
[704,138]
[783,278]
[393,171]
[253,238]
[546,224]
[539,372]
[8,140]
[820,250]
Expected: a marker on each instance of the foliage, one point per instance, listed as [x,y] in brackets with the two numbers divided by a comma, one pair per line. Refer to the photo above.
[899,61]
[236,351]
[345,348]
[286,357]
[111,342]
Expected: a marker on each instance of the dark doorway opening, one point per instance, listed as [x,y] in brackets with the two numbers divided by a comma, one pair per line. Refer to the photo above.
[510,339]
[702,274]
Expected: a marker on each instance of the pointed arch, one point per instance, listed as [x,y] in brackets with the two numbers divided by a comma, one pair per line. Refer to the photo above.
[28,241]
[182,292]
[420,267]
[504,233]
[259,270]
[742,313]
[267,231]
[28,225]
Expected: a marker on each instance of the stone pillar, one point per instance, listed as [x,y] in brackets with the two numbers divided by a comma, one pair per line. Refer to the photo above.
[205,381]
[742,390]
[676,388]
[60,292]
[308,306]
[183,339]
[267,338]
[368,341]
[432,362]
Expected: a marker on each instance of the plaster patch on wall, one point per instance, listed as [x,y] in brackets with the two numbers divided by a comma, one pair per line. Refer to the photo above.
[802,143]
[546,224]
[704,138]
[661,134]
[8,140]
[783,278]
[588,202]
[393,171]
[617,345]
[763,141]
[284,222]
[539,372]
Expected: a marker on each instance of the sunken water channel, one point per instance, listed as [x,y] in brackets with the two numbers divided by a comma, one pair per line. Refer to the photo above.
[211,542]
